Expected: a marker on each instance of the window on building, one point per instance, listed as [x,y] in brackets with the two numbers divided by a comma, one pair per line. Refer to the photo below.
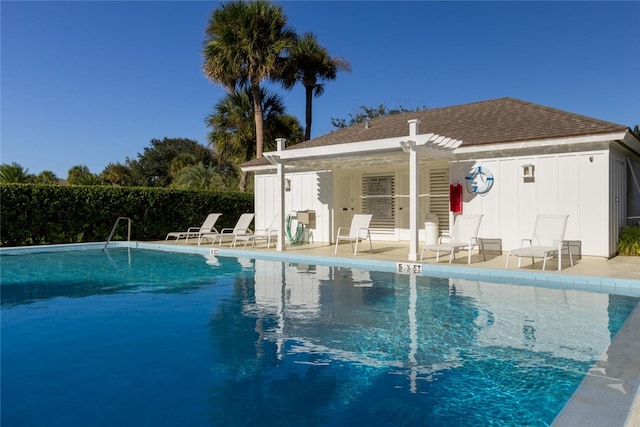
[439,197]
[378,200]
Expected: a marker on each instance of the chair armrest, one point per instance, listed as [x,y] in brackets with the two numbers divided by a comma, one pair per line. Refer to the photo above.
[366,232]
[212,231]
[444,237]
[193,229]
[341,228]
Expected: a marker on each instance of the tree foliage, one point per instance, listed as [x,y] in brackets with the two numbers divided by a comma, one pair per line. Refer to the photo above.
[310,64]
[363,113]
[200,177]
[14,173]
[46,177]
[153,167]
[117,174]
[233,134]
[81,175]
[246,43]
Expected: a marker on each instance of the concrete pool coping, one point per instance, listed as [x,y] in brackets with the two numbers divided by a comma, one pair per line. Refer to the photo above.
[609,393]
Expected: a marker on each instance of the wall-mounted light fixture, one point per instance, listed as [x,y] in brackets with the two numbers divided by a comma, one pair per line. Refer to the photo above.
[287,184]
[528,171]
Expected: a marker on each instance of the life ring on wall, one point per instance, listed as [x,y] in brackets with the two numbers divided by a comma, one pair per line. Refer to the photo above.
[479,180]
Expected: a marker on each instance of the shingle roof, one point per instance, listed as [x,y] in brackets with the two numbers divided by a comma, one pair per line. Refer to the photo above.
[487,122]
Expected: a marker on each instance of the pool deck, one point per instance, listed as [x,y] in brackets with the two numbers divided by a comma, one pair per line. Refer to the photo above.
[609,394]
[596,273]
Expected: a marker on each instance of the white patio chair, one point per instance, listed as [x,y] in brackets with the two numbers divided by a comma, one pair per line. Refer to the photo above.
[547,240]
[359,230]
[241,229]
[463,236]
[267,234]
[208,227]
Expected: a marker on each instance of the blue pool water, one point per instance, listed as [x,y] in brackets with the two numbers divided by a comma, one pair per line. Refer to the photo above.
[149,338]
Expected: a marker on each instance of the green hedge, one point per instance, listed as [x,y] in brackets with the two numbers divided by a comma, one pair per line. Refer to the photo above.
[32,214]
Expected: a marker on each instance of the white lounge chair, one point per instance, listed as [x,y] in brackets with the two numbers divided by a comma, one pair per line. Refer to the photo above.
[261,234]
[359,230]
[463,236]
[547,240]
[241,229]
[208,227]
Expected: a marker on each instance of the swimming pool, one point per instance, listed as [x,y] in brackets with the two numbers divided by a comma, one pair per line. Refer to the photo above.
[138,337]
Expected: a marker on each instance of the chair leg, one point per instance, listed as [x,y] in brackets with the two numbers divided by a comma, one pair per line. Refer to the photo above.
[570,255]
[507,264]
[469,256]
[370,245]
[336,251]
[452,255]
[355,252]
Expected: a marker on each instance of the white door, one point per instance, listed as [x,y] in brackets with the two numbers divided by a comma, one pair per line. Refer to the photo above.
[346,204]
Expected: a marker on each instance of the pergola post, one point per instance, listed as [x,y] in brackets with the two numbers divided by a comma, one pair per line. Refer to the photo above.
[280,246]
[413,192]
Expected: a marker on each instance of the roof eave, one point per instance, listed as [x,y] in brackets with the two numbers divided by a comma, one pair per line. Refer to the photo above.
[540,143]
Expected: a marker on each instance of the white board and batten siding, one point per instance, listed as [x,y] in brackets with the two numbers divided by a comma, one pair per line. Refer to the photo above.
[308,191]
[576,184]
[583,185]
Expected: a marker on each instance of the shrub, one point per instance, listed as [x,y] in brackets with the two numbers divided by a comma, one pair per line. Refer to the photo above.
[629,242]
[33,214]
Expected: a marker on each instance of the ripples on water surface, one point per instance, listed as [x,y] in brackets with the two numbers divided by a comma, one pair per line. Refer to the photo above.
[136,337]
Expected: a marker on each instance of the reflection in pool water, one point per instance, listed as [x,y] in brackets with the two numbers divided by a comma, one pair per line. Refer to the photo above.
[133,337]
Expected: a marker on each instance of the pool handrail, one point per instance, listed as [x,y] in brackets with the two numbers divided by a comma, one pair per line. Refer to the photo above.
[113,230]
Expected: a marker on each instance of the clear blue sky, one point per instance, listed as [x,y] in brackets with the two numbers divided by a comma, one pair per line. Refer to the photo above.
[92,82]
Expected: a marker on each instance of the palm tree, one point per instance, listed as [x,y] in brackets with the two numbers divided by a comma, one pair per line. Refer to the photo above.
[309,63]
[181,161]
[245,44]
[117,174]
[233,134]
[14,173]
[46,177]
[199,177]
[81,175]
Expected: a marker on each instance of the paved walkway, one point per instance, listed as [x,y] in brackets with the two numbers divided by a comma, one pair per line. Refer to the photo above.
[619,267]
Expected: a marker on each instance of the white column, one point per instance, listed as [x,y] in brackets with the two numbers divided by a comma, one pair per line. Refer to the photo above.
[280,246]
[413,193]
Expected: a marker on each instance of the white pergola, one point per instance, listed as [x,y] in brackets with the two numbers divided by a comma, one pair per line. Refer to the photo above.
[375,152]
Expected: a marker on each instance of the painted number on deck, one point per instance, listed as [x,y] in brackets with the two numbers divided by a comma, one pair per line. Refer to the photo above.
[214,252]
[408,268]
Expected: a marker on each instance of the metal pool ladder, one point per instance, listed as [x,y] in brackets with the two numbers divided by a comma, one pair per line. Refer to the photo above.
[113,230]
